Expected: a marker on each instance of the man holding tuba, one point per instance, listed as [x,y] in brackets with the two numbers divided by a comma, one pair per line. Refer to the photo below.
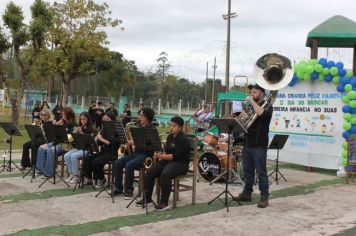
[254,152]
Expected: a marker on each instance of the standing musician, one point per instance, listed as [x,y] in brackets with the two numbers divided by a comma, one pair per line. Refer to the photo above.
[45,154]
[112,108]
[173,162]
[72,156]
[57,111]
[91,111]
[254,152]
[126,115]
[133,161]
[45,116]
[203,118]
[99,113]
[94,165]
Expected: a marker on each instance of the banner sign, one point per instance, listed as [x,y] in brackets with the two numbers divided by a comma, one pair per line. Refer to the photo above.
[311,113]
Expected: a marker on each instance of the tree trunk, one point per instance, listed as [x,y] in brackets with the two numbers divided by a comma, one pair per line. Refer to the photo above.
[66,89]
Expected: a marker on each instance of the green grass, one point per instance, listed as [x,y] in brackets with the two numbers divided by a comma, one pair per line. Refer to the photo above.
[18,141]
[302,168]
[115,223]
[63,192]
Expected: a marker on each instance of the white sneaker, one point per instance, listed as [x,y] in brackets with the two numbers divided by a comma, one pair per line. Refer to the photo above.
[69,178]
[74,180]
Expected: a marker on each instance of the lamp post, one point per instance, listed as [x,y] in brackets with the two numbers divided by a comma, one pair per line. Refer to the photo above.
[228,17]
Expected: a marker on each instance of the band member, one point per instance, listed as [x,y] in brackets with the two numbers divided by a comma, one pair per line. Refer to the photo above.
[140,107]
[112,109]
[72,156]
[254,152]
[45,154]
[133,161]
[57,111]
[91,111]
[36,113]
[45,115]
[173,162]
[126,117]
[94,165]
[203,118]
[99,113]
[45,105]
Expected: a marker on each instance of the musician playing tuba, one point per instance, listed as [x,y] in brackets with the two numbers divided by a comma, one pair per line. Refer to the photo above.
[272,72]
[134,161]
[173,162]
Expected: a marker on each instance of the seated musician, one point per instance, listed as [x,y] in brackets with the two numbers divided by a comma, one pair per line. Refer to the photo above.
[45,154]
[45,116]
[72,156]
[203,119]
[173,162]
[94,164]
[133,161]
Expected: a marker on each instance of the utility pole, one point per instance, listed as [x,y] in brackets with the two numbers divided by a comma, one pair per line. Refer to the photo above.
[213,89]
[227,63]
[206,82]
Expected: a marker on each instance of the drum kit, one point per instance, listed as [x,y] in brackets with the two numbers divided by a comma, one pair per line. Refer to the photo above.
[213,162]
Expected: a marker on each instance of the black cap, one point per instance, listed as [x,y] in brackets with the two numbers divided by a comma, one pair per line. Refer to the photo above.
[256,86]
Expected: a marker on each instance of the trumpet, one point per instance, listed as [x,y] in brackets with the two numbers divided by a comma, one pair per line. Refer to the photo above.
[60,122]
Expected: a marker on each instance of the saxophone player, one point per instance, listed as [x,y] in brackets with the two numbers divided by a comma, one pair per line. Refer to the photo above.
[173,162]
[134,161]
[254,152]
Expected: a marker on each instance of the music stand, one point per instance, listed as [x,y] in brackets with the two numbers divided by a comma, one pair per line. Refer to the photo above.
[228,126]
[146,139]
[87,144]
[277,143]
[37,137]
[11,130]
[56,134]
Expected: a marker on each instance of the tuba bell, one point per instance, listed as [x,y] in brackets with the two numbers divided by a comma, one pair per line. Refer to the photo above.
[272,72]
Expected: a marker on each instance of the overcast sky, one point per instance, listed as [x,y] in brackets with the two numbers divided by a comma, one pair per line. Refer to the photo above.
[193,32]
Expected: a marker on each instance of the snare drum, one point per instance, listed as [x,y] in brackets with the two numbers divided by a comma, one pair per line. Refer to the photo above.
[210,139]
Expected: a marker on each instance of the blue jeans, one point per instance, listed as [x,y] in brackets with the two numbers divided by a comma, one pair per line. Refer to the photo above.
[45,159]
[130,163]
[71,159]
[254,159]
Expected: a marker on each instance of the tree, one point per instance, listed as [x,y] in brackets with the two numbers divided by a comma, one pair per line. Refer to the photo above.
[78,38]
[26,43]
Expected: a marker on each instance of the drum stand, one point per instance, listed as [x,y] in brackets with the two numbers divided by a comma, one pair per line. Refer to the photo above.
[230,124]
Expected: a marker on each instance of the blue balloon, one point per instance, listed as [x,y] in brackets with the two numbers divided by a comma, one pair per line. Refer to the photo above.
[346,134]
[353,111]
[353,129]
[323,62]
[340,65]
[346,109]
[292,83]
[314,75]
[340,88]
[342,72]
[328,78]
[344,81]
[331,64]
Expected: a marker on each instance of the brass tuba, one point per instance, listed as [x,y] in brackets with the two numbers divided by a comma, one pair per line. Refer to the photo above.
[272,72]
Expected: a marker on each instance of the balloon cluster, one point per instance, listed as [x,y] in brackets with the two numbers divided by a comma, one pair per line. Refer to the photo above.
[329,71]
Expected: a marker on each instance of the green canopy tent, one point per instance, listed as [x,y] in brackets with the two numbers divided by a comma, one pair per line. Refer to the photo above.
[232,95]
[335,32]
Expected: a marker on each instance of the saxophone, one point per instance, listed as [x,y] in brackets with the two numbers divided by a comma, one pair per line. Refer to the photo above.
[123,147]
